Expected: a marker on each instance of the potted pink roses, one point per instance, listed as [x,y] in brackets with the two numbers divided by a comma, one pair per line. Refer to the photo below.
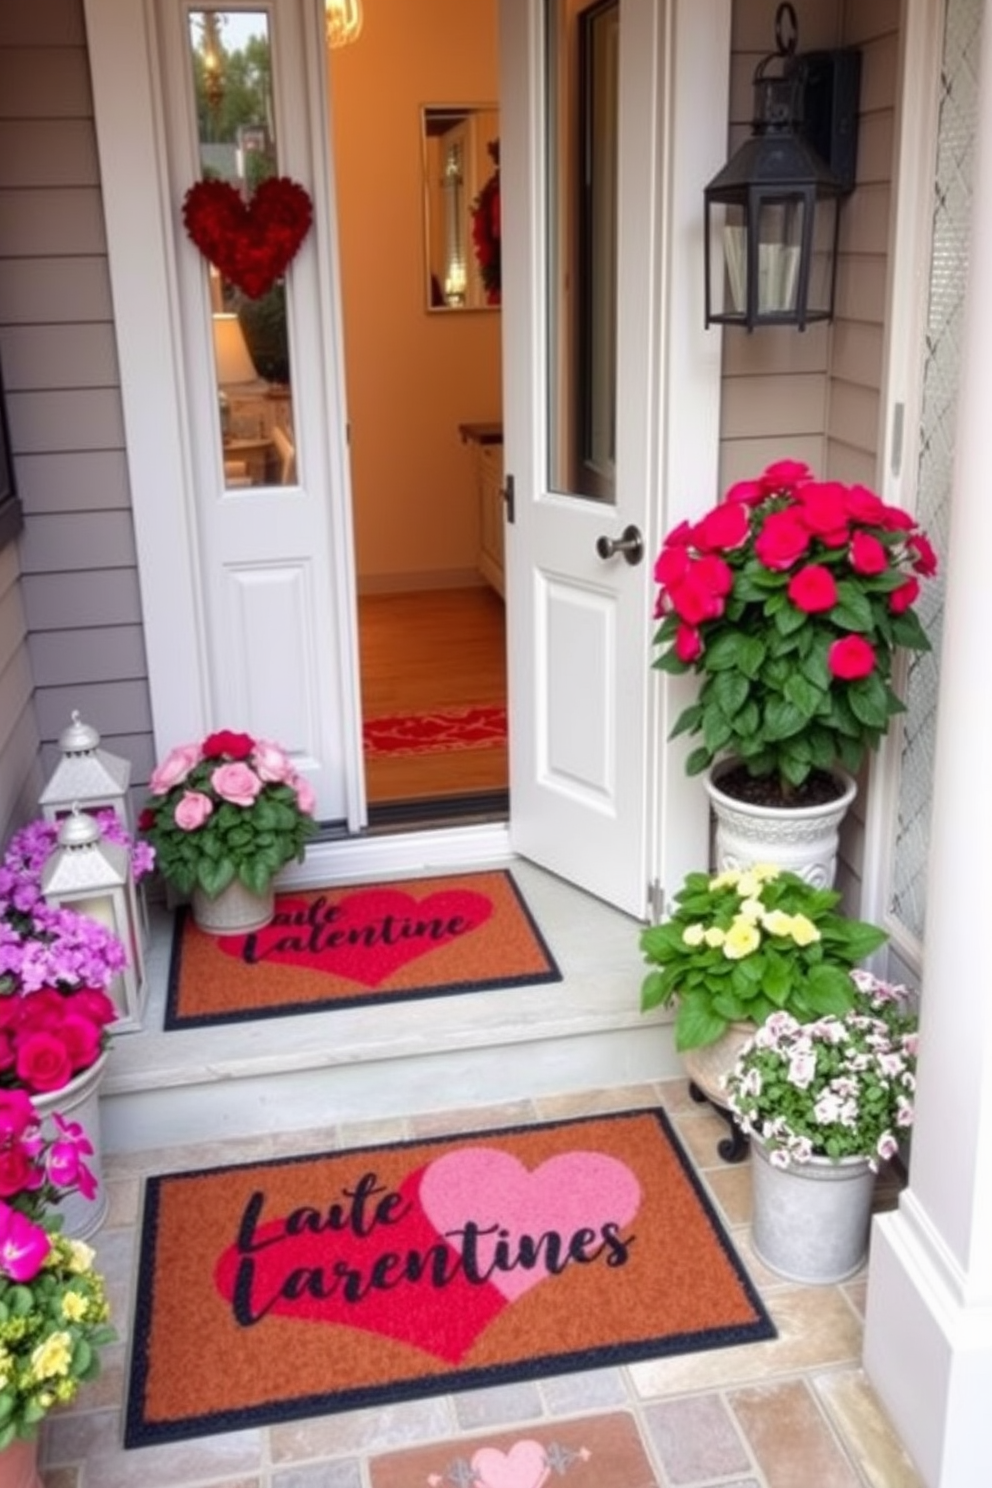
[223,817]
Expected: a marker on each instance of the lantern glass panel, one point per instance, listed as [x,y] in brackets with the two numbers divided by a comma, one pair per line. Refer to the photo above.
[780,239]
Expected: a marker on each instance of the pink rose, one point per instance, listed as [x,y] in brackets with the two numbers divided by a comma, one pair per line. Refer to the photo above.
[82,1040]
[43,1062]
[813,589]
[868,555]
[271,762]
[785,475]
[236,783]
[851,658]
[925,561]
[174,768]
[688,643]
[17,1113]
[725,527]
[16,1170]
[695,601]
[824,506]
[305,796]
[192,810]
[783,539]
[672,564]
[906,595]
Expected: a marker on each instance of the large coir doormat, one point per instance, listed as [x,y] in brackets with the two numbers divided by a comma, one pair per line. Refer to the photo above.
[281,1289]
[365,943]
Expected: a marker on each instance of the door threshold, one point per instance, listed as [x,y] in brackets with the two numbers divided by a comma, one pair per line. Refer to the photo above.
[398,816]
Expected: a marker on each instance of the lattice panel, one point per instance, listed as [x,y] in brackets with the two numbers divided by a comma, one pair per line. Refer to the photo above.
[945,328]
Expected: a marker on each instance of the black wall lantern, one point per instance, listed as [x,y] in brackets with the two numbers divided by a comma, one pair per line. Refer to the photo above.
[775,206]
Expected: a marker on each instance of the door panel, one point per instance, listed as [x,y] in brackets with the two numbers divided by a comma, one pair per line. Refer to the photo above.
[260,497]
[579,623]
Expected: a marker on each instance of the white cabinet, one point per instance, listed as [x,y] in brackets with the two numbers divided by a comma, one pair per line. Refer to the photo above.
[487,453]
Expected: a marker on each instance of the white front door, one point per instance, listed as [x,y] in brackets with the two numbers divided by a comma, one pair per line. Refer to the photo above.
[601,355]
[244,542]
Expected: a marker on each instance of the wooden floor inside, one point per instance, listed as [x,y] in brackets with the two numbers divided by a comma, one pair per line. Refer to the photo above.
[424,652]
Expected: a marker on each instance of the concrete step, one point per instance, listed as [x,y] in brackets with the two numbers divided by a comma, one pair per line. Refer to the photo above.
[351,1064]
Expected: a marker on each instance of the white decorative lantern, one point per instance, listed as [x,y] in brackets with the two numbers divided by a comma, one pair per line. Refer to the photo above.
[87,873]
[86,776]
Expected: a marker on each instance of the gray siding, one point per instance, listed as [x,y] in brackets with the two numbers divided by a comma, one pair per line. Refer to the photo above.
[70,610]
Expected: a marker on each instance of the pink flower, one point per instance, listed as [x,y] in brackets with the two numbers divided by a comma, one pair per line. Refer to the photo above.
[813,589]
[24,1246]
[226,742]
[906,595]
[17,1114]
[748,492]
[16,1170]
[694,601]
[851,658]
[864,506]
[785,475]
[43,1062]
[271,762]
[174,768]
[724,528]
[868,555]
[824,505]
[925,561]
[672,564]
[305,796]
[783,539]
[688,643]
[192,810]
[236,783]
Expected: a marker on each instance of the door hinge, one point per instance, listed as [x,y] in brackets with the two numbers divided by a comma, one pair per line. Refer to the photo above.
[656,901]
[508,493]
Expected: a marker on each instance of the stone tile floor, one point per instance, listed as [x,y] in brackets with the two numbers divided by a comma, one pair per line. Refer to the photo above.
[793,1412]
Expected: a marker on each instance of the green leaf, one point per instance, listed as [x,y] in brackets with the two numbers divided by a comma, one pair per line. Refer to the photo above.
[688,720]
[782,719]
[698,761]
[852,610]
[696,1024]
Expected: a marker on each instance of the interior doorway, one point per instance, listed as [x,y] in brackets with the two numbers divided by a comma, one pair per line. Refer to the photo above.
[415,144]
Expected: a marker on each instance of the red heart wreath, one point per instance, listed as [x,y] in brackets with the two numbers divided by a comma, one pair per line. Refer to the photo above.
[252,244]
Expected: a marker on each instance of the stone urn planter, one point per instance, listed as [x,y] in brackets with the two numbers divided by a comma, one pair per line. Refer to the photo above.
[802,839]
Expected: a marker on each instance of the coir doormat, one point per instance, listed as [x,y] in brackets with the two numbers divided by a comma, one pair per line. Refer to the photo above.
[482,727]
[274,1290]
[364,943]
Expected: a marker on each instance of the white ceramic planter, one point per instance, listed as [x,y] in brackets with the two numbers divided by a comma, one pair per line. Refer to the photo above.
[79,1101]
[811,1221]
[234,911]
[803,840]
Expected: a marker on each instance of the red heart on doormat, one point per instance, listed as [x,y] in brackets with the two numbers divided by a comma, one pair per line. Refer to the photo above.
[365,937]
[285,1268]
[251,244]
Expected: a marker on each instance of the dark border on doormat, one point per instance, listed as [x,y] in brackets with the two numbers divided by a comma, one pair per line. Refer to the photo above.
[138,1433]
[174,1022]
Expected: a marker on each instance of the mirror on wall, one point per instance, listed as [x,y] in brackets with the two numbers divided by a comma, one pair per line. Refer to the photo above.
[460,152]
[230,55]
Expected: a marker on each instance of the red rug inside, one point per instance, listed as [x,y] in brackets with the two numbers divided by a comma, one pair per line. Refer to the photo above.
[364,943]
[308,1285]
[435,733]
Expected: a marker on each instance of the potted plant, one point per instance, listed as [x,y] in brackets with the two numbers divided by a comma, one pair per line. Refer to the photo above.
[223,817]
[56,1018]
[824,1103]
[53,1304]
[789,600]
[741,945]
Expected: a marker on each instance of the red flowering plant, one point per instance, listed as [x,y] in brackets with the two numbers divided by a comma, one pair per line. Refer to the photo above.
[486,232]
[229,807]
[55,963]
[54,1314]
[789,599]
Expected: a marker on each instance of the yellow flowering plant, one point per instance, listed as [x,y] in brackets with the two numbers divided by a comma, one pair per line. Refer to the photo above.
[742,945]
[54,1314]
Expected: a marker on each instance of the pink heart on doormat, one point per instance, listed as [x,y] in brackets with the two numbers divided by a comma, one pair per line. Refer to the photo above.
[523,1466]
[365,937]
[575,1192]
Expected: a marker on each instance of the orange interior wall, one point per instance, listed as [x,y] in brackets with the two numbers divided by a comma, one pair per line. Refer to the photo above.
[412,375]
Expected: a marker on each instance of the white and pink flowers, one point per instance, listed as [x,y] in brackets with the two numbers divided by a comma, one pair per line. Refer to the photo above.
[840,1086]
[789,599]
[233,806]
